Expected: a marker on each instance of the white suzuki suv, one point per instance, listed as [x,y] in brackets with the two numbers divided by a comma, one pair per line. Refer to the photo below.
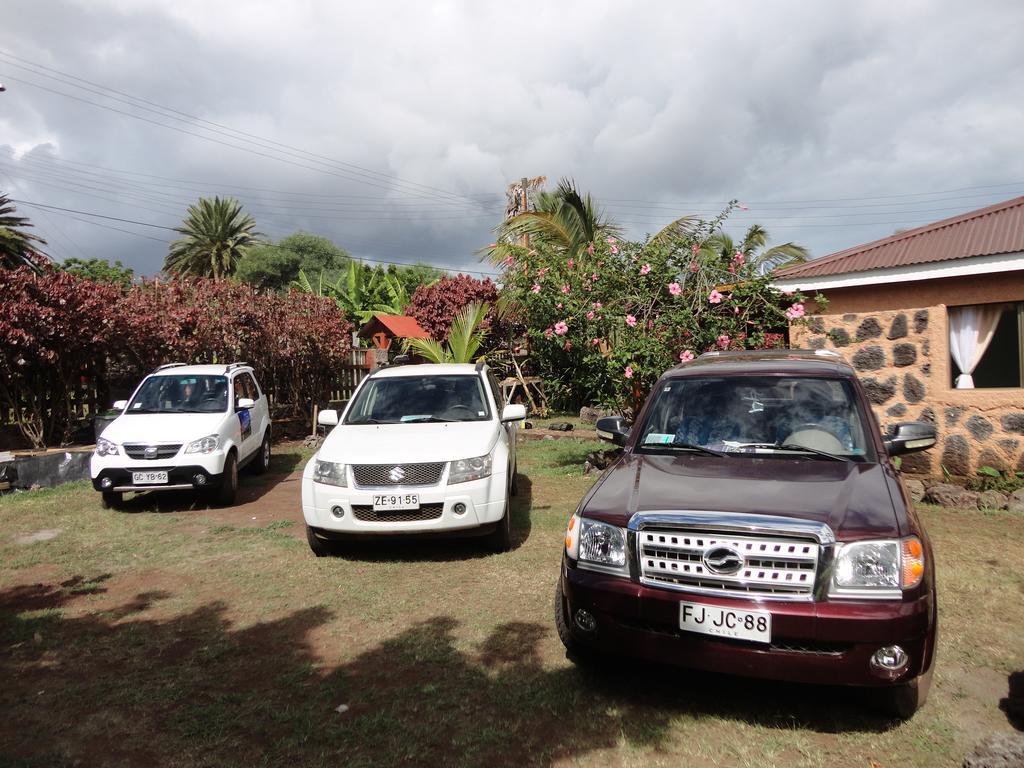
[419,449]
[185,427]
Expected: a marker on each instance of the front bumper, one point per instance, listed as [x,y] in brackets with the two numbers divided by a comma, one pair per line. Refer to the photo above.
[827,642]
[178,478]
[484,502]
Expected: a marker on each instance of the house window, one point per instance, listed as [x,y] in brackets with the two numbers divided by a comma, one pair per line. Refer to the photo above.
[985,344]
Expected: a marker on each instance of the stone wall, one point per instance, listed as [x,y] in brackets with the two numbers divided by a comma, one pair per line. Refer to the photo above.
[902,359]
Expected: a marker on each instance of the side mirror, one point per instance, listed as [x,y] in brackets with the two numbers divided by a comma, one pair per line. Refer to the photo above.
[513,412]
[328,418]
[120,405]
[614,429]
[909,437]
[246,403]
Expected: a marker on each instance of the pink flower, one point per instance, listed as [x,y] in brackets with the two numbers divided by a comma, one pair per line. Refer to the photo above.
[595,342]
[561,328]
[735,310]
[570,263]
[593,277]
[611,241]
[535,289]
[675,289]
[559,306]
[686,356]
[743,207]
[715,297]
[628,372]
[588,287]
[565,289]
[510,260]
[694,266]
[596,305]
[739,258]
[548,333]
[630,321]
[645,269]
[795,312]
[542,271]
[590,249]
[614,249]
[694,249]
[493,245]
[567,346]
[732,269]
[723,340]
[590,315]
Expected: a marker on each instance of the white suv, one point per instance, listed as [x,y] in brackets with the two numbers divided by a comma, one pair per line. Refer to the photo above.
[419,449]
[185,427]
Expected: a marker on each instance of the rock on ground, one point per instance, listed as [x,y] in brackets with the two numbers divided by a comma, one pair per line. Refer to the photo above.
[590,414]
[948,495]
[915,488]
[992,500]
[1003,750]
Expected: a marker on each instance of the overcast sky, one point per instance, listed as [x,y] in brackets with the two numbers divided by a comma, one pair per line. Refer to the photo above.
[394,128]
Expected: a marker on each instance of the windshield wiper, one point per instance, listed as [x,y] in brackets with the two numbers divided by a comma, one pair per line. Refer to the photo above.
[369,421]
[796,448]
[687,447]
[426,420]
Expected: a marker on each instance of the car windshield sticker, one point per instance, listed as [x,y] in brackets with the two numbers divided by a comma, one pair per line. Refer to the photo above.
[245,421]
[659,438]
[481,413]
[417,417]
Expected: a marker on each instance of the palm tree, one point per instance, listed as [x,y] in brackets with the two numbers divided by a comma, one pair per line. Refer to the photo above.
[216,234]
[16,246]
[563,220]
[759,259]
[464,339]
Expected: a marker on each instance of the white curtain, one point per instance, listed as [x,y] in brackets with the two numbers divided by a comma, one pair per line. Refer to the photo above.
[970,332]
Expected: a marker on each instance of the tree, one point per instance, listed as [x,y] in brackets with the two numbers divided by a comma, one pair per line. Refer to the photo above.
[99,270]
[17,247]
[759,259]
[277,265]
[436,306]
[465,338]
[216,234]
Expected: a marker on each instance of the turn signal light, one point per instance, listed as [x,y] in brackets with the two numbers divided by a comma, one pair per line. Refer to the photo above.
[912,562]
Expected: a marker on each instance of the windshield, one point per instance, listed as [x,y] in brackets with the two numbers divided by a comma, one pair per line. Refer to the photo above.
[411,399]
[181,394]
[757,414]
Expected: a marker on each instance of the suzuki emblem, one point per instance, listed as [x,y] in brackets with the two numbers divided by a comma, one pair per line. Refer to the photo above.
[396,475]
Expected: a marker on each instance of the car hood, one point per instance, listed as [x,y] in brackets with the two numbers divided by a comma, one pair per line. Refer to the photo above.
[851,497]
[408,443]
[162,427]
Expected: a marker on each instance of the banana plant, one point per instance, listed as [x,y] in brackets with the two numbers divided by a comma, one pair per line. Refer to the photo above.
[464,339]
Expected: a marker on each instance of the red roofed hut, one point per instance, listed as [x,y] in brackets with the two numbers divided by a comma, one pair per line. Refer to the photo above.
[382,330]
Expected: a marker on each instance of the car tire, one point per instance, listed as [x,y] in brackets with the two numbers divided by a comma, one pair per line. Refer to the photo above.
[228,482]
[514,485]
[903,701]
[500,539]
[262,461]
[320,547]
[578,654]
[112,499]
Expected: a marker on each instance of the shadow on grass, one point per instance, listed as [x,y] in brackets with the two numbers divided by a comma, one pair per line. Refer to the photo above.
[123,687]
[1013,704]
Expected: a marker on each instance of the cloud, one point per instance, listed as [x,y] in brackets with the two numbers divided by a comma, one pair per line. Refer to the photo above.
[427,110]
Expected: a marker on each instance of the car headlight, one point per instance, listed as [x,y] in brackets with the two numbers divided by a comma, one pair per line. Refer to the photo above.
[877,568]
[206,444]
[330,473]
[602,544]
[105,447]
[465,470]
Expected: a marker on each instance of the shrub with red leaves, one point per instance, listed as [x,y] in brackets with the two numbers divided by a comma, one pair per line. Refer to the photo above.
[435,306]
[59,332]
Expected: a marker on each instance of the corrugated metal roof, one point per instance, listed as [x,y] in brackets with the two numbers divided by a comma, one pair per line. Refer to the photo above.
[987,231]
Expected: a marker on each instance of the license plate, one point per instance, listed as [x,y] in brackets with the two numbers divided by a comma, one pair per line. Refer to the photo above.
[148,478]
[726,622]
[382,502]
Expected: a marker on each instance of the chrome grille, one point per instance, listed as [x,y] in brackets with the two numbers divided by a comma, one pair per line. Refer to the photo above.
[782,566]
[366,513]
[379,475]
[138,451]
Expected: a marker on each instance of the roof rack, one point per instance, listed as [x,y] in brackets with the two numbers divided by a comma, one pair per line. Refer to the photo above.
[231,366]
[165,366]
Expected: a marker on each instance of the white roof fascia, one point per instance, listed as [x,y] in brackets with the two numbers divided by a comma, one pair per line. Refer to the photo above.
[975,265]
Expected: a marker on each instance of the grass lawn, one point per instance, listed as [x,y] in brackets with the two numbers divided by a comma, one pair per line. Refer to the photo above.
[172,634]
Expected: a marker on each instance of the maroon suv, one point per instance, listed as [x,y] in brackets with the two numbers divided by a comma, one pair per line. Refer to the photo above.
[755,525]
